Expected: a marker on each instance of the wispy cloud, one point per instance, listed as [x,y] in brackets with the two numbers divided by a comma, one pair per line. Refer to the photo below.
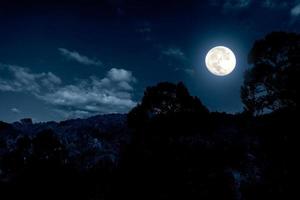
[110,94]
[187,70]
[275,4]
[285,7]
[75,56]
[22,79]
[190,71]
[15,110]
[236,4]
[178,59]
[174,52]
[231,5]
[295,11]
[239,5]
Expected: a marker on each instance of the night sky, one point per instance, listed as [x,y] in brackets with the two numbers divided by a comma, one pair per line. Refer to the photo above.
[69,59]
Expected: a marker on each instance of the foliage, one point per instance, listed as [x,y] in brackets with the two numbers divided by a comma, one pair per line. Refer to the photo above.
[166,101]
[273,81]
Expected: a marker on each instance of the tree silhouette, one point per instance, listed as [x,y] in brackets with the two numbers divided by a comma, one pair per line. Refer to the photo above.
[174,152]
[167,100]
[273,81]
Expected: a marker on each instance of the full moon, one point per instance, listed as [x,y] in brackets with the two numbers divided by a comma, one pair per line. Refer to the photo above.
[220,61]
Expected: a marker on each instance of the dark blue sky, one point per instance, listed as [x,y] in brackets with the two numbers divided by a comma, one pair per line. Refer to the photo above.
[74,59]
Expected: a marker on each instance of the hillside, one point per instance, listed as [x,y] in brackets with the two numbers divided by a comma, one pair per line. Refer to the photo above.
[169,146]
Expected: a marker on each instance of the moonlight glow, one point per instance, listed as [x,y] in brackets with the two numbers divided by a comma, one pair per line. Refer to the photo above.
[220,61]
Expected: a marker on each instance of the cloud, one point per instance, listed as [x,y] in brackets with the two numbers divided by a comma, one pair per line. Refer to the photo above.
[295,11]
[231,5]
[75,56]
[21,79]
[110,94]
[178,59]
[240,5]
[236,4]
[187,70]
[274,4]
[120,75]
[174,52]
[15,110]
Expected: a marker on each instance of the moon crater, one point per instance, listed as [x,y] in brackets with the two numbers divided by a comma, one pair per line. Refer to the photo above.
[220,61]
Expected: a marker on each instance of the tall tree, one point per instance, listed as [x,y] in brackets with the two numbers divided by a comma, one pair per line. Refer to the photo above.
[167,100]
[273,81]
